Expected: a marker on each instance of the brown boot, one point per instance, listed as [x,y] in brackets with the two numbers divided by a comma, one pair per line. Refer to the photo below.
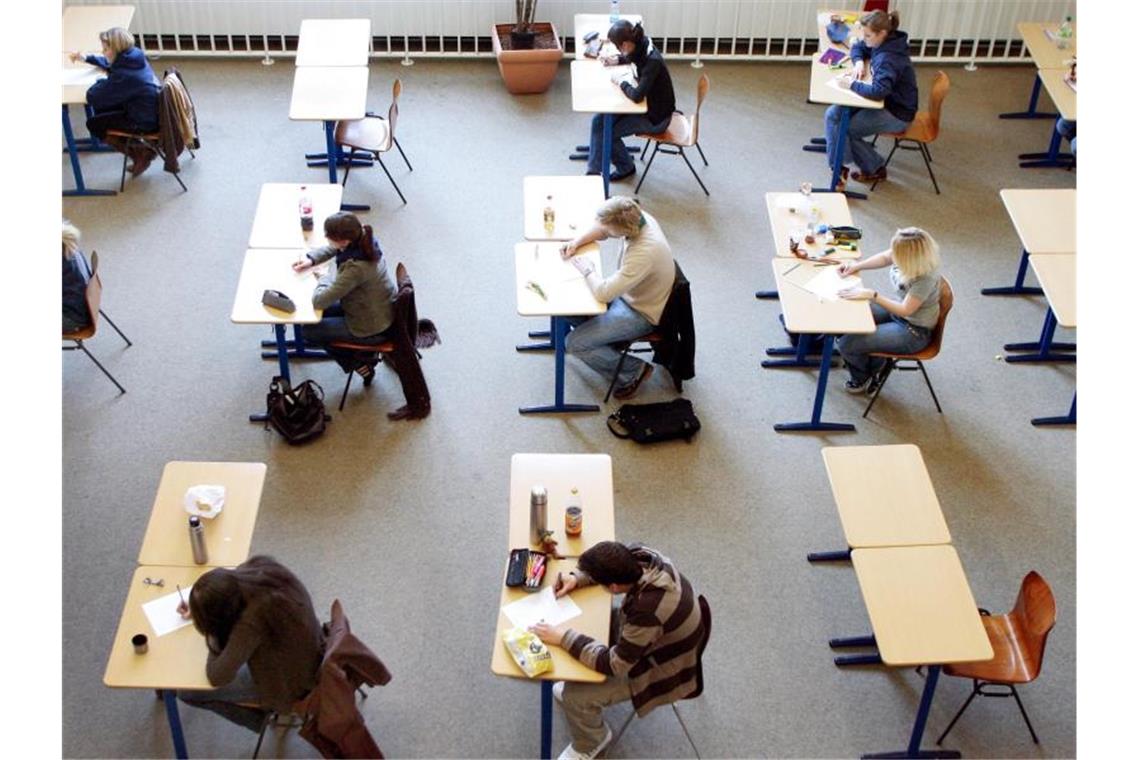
[141,156]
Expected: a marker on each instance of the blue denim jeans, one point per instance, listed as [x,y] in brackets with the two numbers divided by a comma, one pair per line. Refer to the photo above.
[893,335]
[230,700]
[333,327]
[592,337]
[864,123]
[624,125]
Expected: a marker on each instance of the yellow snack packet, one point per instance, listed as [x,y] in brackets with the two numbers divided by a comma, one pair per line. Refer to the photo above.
[528,651]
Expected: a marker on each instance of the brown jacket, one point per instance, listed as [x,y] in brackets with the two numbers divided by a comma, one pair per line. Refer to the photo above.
[410,333]
[177,122]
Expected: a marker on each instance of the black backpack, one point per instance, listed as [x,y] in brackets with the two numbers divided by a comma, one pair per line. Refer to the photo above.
[298,414]
[650,423]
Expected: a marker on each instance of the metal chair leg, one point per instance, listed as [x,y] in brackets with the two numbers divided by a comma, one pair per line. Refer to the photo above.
[624,726]
[344,395]
[123,174]
[348,165]
[269,718]
[385,168]
[1024,714]
[886,373]
[397,143]
[179,180]
[111,377]
[645,148]
[644,174]
[617,372]
[694,171]
[103,314]
[930,387]
[702,153]
[686,730]
[888,161]
[930,171]
[969,699]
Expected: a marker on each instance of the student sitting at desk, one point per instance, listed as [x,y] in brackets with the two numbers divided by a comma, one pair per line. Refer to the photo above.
[659,633]
[636,293]
[265,642]
[654,85]
[885,50]
[356,295]
[904,325]
[127,99]
[76,275]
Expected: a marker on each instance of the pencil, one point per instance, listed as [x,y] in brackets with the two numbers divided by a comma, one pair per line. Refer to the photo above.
[181,598]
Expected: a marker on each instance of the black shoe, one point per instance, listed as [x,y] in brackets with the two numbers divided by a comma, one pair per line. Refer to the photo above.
[628,391]
[368,372]
[623,175]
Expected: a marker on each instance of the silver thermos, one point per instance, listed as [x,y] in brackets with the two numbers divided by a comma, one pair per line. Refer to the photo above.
[198,540]
[537,514]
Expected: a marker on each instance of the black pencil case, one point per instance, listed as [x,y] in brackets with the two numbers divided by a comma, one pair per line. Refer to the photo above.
[516,569]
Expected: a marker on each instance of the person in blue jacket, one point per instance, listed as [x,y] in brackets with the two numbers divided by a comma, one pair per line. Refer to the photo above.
[891,80]
[127,99]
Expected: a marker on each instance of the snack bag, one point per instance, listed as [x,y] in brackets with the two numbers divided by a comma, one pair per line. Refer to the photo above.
[528,652]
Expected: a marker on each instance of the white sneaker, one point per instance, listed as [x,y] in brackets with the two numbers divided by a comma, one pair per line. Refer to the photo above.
[572,754]
[557,689]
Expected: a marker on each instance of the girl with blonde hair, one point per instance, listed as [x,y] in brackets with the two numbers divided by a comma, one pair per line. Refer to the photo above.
[76,274]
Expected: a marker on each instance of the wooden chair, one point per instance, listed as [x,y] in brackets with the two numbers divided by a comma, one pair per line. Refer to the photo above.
[94,297]
[945,303]
[924,129]
[152,141]
[1018,639]
[375,135]
[681,133]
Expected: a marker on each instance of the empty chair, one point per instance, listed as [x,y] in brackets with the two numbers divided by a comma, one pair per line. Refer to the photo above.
[682,133]
[1018,639]
[375,135]
[945,303]
[94,297]
[177,128]
[924,129]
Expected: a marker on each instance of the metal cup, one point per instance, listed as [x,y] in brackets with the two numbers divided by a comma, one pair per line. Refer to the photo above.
[139,642]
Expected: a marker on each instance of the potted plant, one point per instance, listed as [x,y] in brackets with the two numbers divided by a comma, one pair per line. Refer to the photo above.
[528,52]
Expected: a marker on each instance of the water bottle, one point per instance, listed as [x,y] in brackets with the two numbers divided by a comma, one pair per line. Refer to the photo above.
[305,207]
[615,14]
[1065,33]
[198,540]
[537,514]
[548,215]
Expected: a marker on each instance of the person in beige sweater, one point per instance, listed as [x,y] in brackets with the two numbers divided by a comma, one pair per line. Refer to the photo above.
[636,293]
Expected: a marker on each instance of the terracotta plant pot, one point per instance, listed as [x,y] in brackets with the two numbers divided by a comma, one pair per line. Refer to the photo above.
[527,72]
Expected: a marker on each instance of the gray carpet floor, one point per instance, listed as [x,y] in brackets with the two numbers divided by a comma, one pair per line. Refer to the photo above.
[406,522]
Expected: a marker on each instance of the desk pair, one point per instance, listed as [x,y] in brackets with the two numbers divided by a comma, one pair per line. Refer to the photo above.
[1046,55]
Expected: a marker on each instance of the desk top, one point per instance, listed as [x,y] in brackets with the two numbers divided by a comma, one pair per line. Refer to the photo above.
[174,661]
[1062,95]
[228,536]
[920,605]
[334,42]
[804,312]
[1045,220]
[1044,51]
[592,91]
[272,269]
[83,23]
[567,294]
[822,91]
[594,622]
[1058,277]
[329,93]
[77,80]
[787,216]
[591,474]
[277,222]
[575,200]
[884,496]
[596,22]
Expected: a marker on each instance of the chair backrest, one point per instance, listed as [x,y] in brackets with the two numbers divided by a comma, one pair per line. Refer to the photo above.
[94,295]
[394,109]
[1033,617]
[945,303]
[702,91]
[706,631]
[937,95]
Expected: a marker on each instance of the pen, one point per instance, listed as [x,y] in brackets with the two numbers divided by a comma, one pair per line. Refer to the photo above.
[558,582]
[822,263]
[789,269]
[181,598]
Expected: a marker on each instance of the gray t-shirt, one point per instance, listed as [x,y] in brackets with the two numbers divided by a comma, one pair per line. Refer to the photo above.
[927,289]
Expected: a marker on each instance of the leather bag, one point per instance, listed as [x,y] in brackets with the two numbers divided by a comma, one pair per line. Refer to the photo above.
[298,414]
[650,423]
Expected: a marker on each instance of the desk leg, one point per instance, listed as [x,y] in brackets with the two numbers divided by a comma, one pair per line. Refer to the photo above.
[1051,158]
[833,556]
[767,295]
[1044,349]
[1068,419]
[559,326]
[1018,288]
[547,717]
[73,154]
[296,347]
[607,151]
[548,334]
[800,351]
[820,392]
[334,150]
[912,750]
[1031,112]
[841,144]
[171,701]
[282,365]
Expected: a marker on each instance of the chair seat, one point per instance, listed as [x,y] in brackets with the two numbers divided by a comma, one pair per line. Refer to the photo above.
[371,133]
[1008,664]
[679,132]
[922,129]
[924,355]
[84,334]
[386,347]
[152,136]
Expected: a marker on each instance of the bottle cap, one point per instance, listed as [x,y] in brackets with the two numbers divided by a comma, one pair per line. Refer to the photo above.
[538,494]
[194,521]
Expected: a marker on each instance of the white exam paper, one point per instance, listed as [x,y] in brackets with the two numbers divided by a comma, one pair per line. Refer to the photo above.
[827,283]
[543,607]
[163,613]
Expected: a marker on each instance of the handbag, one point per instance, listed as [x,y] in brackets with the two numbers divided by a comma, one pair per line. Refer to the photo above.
[650,423]
[298,414]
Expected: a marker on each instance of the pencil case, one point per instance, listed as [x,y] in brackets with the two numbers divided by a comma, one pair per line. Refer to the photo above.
[846,233]
[520,560]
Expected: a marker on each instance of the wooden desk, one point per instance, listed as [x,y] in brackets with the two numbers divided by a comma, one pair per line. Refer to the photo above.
[1065,98]
[1044,51]
[1046,222]
[823,90]
[334,42]
[276,223]
[1058,276]
[567,295]
[591,474]
[228,535]
[787,220]
[575,201]
[592,91]
[585,23]
[330,94]
[82,25]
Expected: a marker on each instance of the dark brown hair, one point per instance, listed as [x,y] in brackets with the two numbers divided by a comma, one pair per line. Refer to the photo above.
[609,562]
[881,21]
[623,31]
[342,225]
[219,597]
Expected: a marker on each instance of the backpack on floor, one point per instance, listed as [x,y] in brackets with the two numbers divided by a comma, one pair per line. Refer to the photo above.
[298,414]
[650,423]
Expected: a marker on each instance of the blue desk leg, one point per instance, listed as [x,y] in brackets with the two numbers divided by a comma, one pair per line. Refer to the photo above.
[76,170]
[767,295]
[547,346]
[334,150]
[820,392]
[547,717]
[282,364]
[560,327]
[1031,112]
[1018,288]
[1044,350]
[840,146]
[801,351]
[1051,158]
[913,748]
[1068,419]
[296,347]
[833,556]
[607,150]
[171,701]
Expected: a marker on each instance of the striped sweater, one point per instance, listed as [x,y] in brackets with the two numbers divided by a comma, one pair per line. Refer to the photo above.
[659,636]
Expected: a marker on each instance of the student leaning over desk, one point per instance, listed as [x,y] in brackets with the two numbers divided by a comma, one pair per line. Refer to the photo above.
[903,326]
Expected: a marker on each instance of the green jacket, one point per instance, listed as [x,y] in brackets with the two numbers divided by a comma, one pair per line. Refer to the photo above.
[364,289]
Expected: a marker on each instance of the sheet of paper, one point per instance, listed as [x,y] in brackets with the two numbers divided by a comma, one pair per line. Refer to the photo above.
[827,283]
[541,606]
[163,613]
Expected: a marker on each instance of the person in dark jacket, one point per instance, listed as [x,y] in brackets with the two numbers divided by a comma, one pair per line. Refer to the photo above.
[356,295]
[76,275]
[127,99]
[654,86]
[264,640]
[883,57]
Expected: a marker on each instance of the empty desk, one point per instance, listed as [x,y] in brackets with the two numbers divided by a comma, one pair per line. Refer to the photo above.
[592,476]
[1046,222]
[334,42]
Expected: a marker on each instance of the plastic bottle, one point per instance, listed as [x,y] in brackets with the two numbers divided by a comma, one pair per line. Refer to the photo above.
[548,215]
[198,540]
[305,207]
[1065,33]
[615,14]
[537,514]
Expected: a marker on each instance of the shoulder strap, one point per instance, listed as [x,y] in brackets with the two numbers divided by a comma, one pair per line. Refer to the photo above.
[610,424]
